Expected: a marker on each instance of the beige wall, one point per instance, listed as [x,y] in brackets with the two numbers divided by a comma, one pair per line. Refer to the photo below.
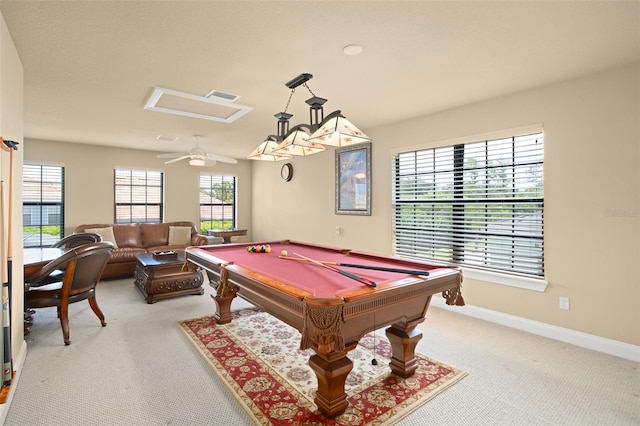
[89,181]
[592,198]
[11,125]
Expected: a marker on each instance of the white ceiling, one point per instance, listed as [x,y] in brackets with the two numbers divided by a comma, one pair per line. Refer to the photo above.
[90,66]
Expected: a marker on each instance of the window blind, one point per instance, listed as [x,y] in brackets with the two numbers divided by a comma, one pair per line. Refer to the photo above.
[217,202]
[138,196]
[479,204]
[42,204]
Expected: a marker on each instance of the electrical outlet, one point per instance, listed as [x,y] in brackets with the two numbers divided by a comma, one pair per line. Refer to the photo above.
[564,303]
[338,231]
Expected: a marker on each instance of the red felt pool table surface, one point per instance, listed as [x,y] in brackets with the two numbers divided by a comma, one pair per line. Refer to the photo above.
[312,278]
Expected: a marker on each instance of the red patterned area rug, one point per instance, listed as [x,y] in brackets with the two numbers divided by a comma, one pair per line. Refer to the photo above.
[257,356]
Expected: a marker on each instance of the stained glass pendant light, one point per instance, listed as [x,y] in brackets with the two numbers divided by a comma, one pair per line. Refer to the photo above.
[307,139]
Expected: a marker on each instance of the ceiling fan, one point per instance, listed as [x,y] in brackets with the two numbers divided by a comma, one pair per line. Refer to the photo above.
[197,157]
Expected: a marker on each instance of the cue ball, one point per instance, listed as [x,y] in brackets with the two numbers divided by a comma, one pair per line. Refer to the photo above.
[284,253]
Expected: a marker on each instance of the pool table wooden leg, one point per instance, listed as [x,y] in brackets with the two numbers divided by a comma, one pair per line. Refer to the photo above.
[223,296]
[223,309]
[331,370]
[403,343]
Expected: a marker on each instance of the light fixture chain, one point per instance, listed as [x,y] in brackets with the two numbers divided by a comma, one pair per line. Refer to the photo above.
[289,101]
[308,88]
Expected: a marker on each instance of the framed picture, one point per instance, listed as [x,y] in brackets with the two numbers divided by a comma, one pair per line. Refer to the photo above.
[353,179]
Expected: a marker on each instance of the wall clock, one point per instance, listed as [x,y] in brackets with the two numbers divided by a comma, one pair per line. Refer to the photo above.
[286,172]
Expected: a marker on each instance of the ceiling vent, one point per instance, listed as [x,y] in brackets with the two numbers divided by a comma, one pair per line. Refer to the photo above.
[215,108]
[224,95]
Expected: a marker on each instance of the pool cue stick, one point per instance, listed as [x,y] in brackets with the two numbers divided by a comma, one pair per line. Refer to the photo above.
[3,261]
[375,268]
[6,342]
[341,272]
[7,370]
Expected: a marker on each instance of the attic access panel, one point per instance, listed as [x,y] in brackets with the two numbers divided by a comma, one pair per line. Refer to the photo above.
[207,108]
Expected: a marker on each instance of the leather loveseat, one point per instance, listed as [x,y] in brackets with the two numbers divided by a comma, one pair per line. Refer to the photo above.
[132,238]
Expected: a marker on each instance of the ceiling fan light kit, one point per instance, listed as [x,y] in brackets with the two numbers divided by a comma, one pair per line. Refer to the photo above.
[307,139]
[197,157]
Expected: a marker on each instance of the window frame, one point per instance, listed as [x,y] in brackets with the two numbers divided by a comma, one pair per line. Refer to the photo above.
[118,204]
[211,220]
[513,279]
[41,203]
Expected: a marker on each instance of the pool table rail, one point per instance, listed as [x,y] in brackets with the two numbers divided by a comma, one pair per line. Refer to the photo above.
[283,301]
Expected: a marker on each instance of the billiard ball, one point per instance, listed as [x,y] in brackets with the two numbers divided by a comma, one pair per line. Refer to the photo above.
[283,253]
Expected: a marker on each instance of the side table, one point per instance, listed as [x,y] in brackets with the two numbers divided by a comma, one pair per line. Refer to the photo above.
[164,277]
[226,234]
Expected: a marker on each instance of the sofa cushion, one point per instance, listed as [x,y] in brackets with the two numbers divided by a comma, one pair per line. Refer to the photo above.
[128,235]
[105,233]
[180,235]
[154,234]
[127,254]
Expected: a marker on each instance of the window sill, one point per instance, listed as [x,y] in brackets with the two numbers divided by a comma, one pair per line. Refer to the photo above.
[506,279]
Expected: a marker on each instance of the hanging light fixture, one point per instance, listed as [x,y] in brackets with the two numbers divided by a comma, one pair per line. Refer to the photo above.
[307,139]
[336,130]
[265,152]
[296,143]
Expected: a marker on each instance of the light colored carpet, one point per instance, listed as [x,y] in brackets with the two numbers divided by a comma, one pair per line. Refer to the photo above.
[141,370]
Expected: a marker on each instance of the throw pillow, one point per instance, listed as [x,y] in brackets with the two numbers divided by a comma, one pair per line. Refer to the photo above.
[180,235]
[105,233]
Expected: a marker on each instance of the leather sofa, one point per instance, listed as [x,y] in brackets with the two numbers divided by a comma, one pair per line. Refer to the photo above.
[132,238]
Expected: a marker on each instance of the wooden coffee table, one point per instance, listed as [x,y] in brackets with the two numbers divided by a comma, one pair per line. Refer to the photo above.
[164,277]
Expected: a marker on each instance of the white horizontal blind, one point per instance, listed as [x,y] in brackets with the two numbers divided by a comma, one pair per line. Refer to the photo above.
[42,205]
[138,196]
[217,202]
[479,204]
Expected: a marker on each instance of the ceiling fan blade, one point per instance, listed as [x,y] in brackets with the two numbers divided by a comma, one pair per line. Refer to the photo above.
[221,158]
[177,159]
[173,154]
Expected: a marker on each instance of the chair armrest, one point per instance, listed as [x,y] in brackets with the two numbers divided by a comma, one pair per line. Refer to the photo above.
[51,267]
[199,240]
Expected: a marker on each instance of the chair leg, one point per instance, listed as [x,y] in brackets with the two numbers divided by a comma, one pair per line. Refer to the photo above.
[63,313]
[96,309]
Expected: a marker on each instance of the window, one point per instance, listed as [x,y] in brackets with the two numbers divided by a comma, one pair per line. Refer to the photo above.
[42,205]
[479,205]
[217,202]
[138,196]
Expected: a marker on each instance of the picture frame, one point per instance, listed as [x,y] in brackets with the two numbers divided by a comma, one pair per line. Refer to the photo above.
[353,180]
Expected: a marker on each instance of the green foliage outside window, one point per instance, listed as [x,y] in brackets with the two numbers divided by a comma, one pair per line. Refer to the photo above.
[215,224]
[48,230]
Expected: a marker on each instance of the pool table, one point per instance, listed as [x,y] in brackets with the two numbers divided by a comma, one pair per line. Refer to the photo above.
[332,311]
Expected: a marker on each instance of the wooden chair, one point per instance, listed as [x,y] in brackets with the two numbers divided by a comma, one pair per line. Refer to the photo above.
[78,239]
[82,268]
[70,241]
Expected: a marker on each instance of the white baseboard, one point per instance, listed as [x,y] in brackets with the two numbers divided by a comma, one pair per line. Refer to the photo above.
[584,340]
[18,363]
